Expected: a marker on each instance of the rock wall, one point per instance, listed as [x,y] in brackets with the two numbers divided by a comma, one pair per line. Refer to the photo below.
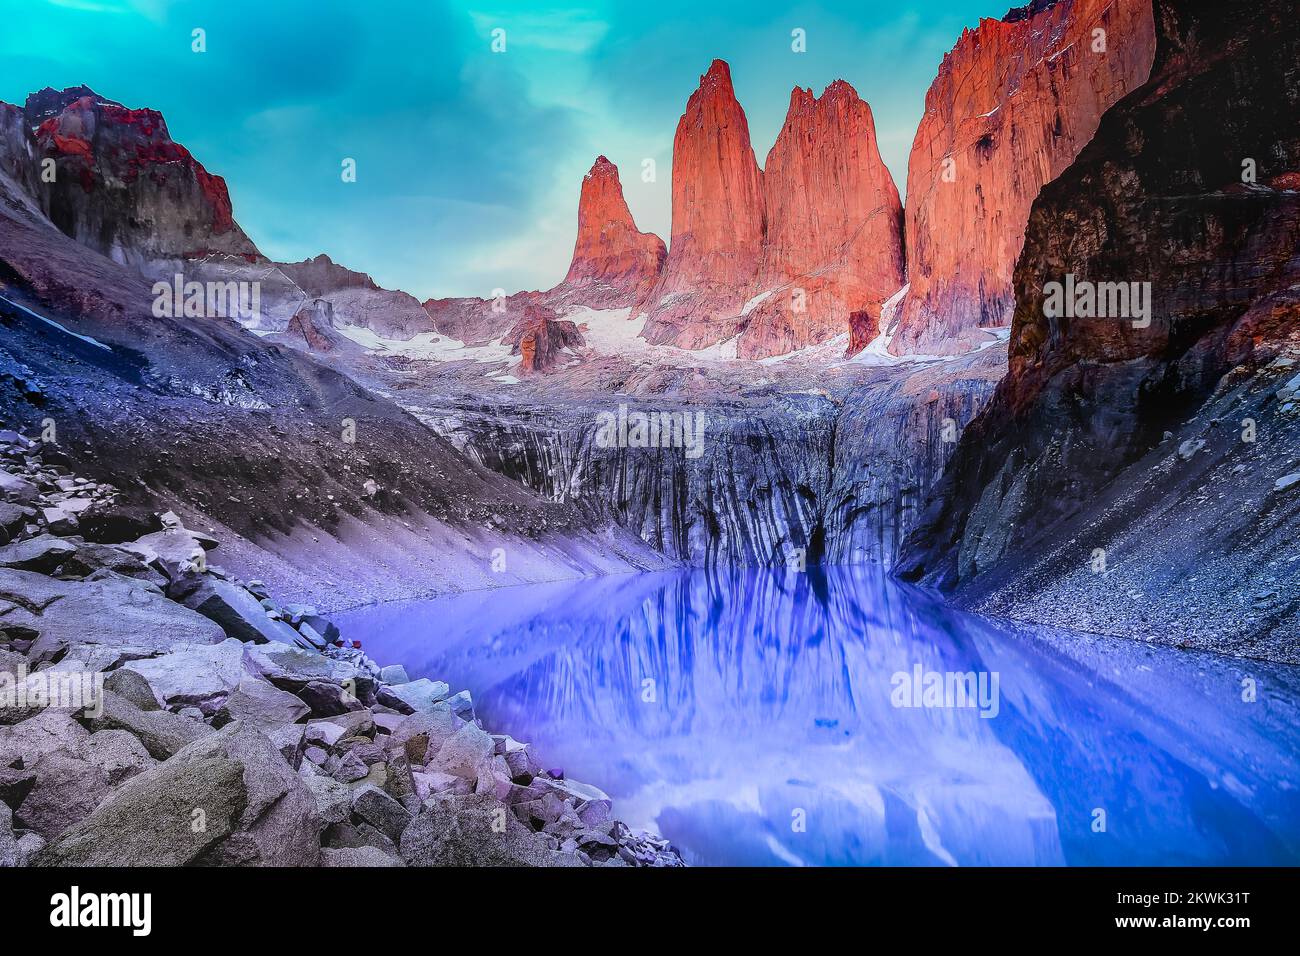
[1013,104]
[1126,471]
[833,243]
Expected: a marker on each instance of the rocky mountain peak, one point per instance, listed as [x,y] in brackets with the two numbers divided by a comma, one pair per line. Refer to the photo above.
[121,184]
[614,264]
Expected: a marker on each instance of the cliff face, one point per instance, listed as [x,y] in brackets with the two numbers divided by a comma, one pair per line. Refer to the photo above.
[1013,104]
[123,187]
[834,225]
[1124,468]
[614,264]
[718,221]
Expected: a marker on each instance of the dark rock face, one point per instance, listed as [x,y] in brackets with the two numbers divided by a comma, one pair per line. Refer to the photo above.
[1120,462]
[839,478]
[123,187]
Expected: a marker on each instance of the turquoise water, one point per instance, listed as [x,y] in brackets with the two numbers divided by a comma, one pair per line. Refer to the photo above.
[769,718]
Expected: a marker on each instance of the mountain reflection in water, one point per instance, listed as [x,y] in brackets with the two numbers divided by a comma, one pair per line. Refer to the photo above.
[748,716]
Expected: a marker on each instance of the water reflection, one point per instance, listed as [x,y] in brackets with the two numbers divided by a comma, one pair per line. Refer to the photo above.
[747,715]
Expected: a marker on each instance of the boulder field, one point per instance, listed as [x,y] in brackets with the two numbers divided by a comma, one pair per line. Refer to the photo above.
[217,727]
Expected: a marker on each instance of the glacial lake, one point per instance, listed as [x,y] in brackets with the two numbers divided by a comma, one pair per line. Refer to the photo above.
[762,718]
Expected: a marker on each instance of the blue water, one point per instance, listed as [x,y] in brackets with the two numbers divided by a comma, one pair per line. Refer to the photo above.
[749,716]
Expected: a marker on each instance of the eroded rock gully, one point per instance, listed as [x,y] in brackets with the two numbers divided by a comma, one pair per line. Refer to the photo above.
[838,476]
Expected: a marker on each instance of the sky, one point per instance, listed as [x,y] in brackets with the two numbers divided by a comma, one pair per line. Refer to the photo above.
[468,161]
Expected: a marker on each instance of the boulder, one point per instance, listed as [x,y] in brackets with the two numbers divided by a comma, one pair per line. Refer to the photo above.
[240,614]
[423,735]
[73,770]
[415,696]
[132,686]
[393,674]
[88,558]
[9,854]
[16,488]
[13,519]
[260,704]
[466,752]
[59,521]
[358,856]
[198,675]
[115,612]
[291,668]
[324,699]
[176,550]
[289,739]
[333,799]
[228,799]
[162,734]
[472,830]
[43,554]
[381,811]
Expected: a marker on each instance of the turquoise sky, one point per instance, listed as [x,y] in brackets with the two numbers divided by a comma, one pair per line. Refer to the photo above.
[469,162]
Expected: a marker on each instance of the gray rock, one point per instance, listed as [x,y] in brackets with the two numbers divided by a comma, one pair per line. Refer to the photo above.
[325,628]
[13,520]
[59,521]
[240,614]
[163,734]
[195,674]
[290,667]
[333,799]
[118,612]
[358,856]
[228,799]
[89,558]
[381,811]
[472,830]
[43,554]
[29,844]
[394,674]
[16,488]
[9,852]
[350,768]
[421,736]
[462,705]
[420,696]
[72,769]
[174,551]
[324,699]
[132,686]
[466,752]
[289,740]
[260,704]
[308,632]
